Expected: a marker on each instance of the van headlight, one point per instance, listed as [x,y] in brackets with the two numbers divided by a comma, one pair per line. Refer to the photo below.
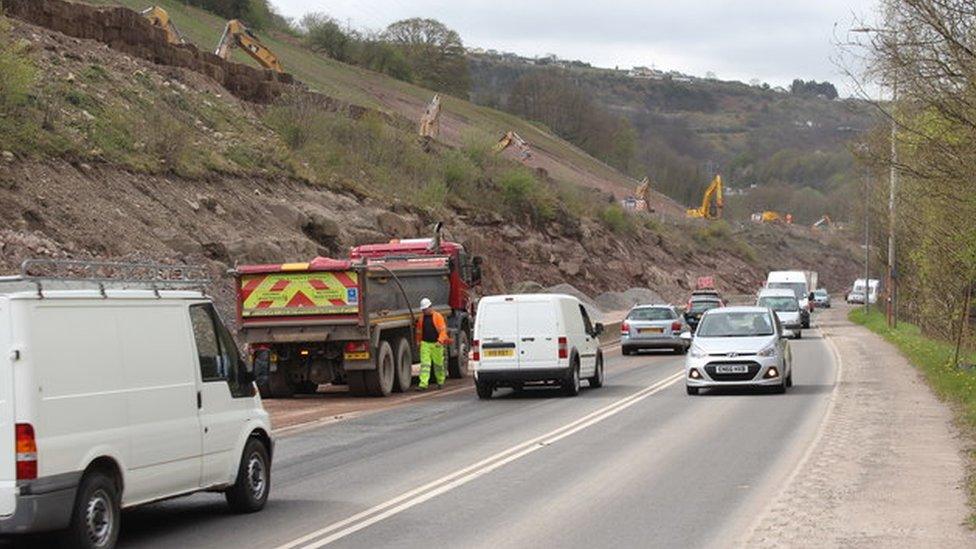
[768,351]
[696,352]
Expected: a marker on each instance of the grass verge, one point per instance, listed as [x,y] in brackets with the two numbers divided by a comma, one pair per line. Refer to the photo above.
[952,384]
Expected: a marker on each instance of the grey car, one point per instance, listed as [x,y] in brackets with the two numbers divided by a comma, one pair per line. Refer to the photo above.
[821,298]
[786,307]
[739,346]
[653,327]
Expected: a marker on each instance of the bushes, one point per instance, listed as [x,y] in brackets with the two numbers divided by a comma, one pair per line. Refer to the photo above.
[17,72]
[523,197]
[616,219]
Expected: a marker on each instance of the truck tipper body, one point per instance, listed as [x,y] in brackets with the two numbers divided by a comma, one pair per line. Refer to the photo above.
[352,321]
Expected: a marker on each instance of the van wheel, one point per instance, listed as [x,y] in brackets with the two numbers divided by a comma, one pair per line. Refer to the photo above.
[484,389]
[571,385]
[250,491]
[597,380]
[356,382]
[404,366]
[379,382]
[457,367]
[97,513]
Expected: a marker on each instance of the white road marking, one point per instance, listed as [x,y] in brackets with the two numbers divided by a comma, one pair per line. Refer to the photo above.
[412,498]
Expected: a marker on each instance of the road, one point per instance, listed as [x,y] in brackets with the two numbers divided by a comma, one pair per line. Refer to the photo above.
[636,463]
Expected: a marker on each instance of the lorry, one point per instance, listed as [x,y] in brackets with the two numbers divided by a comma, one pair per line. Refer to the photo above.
[352,321]
[869,291]
[803,283]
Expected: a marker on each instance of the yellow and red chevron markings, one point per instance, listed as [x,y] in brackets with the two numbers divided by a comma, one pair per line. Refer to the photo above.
[302,293]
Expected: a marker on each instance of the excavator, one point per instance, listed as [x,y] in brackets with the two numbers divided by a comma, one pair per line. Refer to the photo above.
[705,211]
[513,139]
[642,195]
[430,122]
[236,33]
[824,223]
[159,18]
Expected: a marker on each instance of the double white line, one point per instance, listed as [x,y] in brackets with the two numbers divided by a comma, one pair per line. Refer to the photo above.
[377,513]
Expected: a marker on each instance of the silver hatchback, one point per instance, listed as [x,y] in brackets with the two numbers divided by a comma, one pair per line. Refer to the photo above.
[739,346]
[653,327]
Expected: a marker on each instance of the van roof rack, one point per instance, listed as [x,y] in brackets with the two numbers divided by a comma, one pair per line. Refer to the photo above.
[77,274]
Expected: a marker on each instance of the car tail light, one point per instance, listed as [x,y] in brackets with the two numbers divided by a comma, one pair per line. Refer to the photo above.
[26,452]
[476,350]
[675,326]
[625,327]
[563,347]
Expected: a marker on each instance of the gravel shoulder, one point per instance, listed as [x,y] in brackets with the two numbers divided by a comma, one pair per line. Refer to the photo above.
[887,469]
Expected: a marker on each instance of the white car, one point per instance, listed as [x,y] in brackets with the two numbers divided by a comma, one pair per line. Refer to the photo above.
[535,339]
[739,346]
[786,307]
[111,398]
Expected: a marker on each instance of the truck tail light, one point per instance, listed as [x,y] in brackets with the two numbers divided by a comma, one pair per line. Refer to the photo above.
[676,326]
[356,347]
[476,350]
[624,328]
[26,452]
[563,347]
[356,350]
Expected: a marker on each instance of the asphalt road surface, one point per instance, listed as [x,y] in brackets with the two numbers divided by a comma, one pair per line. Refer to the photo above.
[636,463]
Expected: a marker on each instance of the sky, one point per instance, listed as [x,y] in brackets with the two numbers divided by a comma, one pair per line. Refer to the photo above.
[774,41]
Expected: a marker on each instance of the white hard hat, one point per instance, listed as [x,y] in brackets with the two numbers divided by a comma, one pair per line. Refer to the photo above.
[425,303]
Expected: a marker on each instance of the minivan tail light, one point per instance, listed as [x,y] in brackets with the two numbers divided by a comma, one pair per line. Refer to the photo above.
[26,452]
[476,351]
[563,347]
[676,326]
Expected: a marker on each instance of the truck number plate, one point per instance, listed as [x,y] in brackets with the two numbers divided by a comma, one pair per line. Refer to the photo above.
[732,369]
[356,356]
[498,353]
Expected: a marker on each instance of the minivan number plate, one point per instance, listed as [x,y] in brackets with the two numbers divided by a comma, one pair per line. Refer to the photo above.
[732,369]
[498,353]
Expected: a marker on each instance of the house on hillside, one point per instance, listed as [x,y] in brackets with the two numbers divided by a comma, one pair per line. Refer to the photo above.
[645,73]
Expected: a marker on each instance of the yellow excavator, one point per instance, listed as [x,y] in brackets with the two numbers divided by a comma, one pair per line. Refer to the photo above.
[236,33]
[642,195]
[430,122]
[824,223]
[513,139]
[705,211]
[159,18]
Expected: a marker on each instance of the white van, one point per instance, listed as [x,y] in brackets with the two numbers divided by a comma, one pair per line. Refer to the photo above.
[111,398]
[535,338]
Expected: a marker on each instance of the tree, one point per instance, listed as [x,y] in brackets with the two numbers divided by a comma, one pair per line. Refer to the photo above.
[813,89]
[324,35]
[434,52]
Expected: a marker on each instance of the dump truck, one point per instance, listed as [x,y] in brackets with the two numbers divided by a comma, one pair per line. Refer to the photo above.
[352,321]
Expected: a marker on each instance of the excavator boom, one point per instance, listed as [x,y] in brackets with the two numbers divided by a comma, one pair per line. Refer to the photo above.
[706,211]
[430,125]
[160,18]
[236,33]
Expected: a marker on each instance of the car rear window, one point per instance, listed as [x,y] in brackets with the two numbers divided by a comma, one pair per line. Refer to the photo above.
[651,313]
[702,306]
[779,303]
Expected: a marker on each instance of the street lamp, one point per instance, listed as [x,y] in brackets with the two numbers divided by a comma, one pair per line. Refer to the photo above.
[891,302]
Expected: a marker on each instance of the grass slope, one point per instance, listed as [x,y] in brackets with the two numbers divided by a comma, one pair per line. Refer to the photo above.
[367,88]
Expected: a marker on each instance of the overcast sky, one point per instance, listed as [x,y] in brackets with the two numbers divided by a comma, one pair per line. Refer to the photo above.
[772,40]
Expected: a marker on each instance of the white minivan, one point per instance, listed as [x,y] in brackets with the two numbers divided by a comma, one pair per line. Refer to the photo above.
[112,398]
[535,338]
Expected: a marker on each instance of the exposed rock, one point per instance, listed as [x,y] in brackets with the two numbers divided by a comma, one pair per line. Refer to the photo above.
[527,287]
[395,226]
[322,230]
[8,157]
[569,268]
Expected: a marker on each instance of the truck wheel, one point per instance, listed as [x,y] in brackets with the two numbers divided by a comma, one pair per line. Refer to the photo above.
[457,366]
[379,382]
[250,491]
[97,513]
[404,366]
[357,383]
[277,386]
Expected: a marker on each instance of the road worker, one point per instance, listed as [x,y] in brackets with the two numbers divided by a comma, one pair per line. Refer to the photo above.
[432,338]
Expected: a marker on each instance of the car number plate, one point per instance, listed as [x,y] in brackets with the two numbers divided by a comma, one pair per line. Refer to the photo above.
[732,369]
[651,330]
[498,353]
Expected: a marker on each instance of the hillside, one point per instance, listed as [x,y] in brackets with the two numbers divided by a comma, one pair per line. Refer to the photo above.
[688,127]
[106,154]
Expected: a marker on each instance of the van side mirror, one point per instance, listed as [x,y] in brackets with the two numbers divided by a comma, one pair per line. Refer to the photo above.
[811,297]
[686,336]
[598,329]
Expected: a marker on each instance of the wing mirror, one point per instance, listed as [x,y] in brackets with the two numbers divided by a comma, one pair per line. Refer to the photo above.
[686,336]
[476,263]
[787,334]
[598,329]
